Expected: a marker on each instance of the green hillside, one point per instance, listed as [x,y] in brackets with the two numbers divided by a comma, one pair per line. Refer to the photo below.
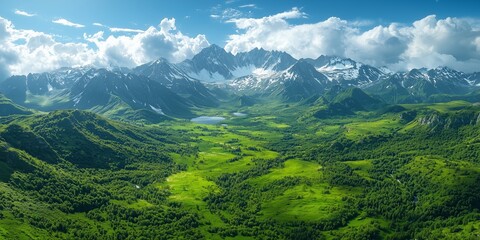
[340,102]
[7,107]
[276,173]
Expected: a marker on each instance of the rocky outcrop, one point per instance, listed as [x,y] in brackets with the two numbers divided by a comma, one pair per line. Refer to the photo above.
[450,121]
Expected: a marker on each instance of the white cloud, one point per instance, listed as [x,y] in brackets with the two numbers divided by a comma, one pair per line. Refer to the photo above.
[378,46]
[275,33]
[248,6]
[65,22]
[155,42]
[5,28]
[25,51]
[428,42]
[230,13]
[23,13]
[446,42]
[7,55]
[128,30]
[117,29]
[362,23]
[226,14]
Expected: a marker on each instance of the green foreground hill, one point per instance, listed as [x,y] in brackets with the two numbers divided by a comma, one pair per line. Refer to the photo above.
[279,172]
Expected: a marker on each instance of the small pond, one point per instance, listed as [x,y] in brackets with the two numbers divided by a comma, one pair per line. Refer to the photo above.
[207,119]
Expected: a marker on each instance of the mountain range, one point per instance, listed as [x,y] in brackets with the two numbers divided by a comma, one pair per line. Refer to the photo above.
[160,88]
[319,134]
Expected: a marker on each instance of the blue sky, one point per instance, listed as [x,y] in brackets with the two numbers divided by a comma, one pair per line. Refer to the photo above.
[398,34]
[195,17]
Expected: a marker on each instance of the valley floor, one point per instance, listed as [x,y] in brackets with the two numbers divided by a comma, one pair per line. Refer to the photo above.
[276,173]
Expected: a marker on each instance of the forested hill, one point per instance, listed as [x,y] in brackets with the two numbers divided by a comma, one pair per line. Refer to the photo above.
[400,172]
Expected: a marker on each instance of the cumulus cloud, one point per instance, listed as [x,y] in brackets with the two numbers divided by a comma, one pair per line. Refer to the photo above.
[378,46]
[65,22]
[449,42]
[38,52]
[5,27]
[428,42]
[7,56]
[23,13]
[24,51]
[155,42]
[275,33]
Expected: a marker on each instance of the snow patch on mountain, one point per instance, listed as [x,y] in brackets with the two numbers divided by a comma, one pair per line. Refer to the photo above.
[243,70]
[262,72]
[157,110]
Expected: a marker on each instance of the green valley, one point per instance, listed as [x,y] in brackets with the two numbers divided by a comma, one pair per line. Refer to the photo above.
[277,172]
[235,119]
